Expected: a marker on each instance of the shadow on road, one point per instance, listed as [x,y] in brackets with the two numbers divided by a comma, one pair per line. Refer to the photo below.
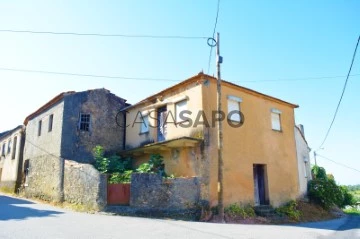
[10,211]
[342,224]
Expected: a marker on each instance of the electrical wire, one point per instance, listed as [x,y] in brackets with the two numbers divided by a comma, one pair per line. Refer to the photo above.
[301,79]
[104,35]
[213,35]
[342,94]
[86,75]
[338,163]
[158,79]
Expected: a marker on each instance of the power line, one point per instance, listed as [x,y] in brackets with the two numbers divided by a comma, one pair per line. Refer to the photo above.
[86,75]
[156,79]
[105,35]
[342,94]
[213,35]
[302,79]
[338,163]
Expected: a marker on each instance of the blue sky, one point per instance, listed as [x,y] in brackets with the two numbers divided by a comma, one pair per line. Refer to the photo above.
[260,41]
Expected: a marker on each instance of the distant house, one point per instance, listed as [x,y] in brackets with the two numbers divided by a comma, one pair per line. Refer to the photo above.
[63,132]
[259,153]
[11,146]
[303,158]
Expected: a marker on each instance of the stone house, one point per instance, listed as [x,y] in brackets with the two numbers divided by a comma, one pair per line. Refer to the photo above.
[60,136]
[303,158]
[260,163]
[11,149]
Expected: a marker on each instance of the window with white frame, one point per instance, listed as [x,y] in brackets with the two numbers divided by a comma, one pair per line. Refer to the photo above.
[276,119]
[233,103]
[180,107]
[144,127]
[84,122]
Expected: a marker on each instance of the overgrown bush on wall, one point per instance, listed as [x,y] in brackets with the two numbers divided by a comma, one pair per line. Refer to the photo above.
[324,191]
[118,168]
[155,165]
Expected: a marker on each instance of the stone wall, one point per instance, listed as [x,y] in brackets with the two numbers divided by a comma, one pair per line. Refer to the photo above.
[83,184]
[152,191]
[105,128]
[43,179]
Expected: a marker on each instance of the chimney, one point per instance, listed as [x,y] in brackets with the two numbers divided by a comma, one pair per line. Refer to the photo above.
[301,127]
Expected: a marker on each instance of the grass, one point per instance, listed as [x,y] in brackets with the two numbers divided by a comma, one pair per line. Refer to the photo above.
[352,211]
[7,190]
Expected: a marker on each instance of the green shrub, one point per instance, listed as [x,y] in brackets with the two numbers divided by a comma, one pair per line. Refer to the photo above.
[144,168]
[155,165]
[236,210]
[324,191]
[119,168]
[117,177]
[349,199]
[290,210]
[318,172]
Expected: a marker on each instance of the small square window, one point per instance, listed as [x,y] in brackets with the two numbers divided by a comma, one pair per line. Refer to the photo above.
[84,122]
[51,119]
[276,121]
[144,128]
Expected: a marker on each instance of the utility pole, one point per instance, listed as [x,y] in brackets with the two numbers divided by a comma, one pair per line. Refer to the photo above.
[315,158]
[220,133]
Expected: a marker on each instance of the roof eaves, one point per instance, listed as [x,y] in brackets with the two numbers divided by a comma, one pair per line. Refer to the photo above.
[46,106]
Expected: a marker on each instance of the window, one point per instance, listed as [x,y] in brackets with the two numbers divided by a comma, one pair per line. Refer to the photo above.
[234,108]
[14,148]
[3,149]
[39,128]
[144,128]
[84,123]
[51,118]
[179,107]
[9,146]
[276,119]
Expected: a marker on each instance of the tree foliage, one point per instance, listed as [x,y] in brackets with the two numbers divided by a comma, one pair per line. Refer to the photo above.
[119,168]
[324,191]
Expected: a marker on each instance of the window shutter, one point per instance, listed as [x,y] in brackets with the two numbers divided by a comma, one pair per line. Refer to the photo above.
[144,124]
[275,121]
[179,107]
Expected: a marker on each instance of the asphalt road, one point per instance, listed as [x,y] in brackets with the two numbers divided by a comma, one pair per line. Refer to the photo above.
[26,219]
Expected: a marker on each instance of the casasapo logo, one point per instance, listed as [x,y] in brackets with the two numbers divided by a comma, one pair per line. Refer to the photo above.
[184,119]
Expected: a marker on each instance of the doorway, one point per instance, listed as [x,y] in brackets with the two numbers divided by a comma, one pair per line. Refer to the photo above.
[260,185]
[161,123]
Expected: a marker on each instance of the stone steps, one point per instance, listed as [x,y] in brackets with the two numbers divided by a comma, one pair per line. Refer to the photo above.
[265,211]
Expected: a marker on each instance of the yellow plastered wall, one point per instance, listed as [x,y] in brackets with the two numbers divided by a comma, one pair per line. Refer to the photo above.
[253,143]
[178,161]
